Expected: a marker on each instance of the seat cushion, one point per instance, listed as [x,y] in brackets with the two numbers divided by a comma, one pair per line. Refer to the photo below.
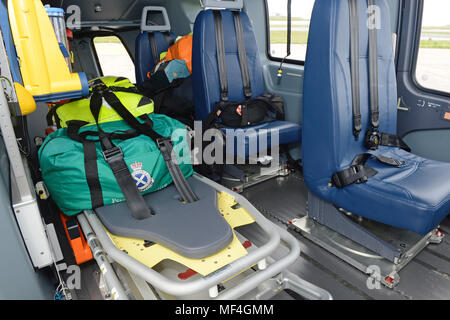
[245,142]
[414,197]
[194,230]
[144,60]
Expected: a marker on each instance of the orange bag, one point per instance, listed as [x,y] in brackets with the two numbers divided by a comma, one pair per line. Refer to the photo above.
[181,50]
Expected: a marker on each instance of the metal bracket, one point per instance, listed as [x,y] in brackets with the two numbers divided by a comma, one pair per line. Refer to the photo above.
[23,196]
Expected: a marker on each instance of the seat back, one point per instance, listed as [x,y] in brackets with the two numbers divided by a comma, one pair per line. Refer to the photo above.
[328,141]
[205,71]
[144,58]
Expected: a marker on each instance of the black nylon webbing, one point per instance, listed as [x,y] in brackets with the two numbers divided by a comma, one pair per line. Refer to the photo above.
[136,203]
[354,65]
[373,68]
[91,172]
[220,47]
[168,38]
[242,55]
[359,172]
[169,156]
[153,47]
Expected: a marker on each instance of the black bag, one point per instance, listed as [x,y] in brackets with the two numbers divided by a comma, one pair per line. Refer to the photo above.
[248,113]
[163,92]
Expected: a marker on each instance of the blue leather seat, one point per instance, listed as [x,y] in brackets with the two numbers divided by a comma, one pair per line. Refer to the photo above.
[144,60]
[206,75]
[414,197]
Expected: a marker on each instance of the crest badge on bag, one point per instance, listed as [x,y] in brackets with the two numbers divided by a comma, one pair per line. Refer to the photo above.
[142,178]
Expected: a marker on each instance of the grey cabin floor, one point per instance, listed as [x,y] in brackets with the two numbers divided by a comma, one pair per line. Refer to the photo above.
[284,198]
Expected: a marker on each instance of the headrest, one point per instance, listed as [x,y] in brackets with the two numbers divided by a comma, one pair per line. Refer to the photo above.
[223,4]
[159,20]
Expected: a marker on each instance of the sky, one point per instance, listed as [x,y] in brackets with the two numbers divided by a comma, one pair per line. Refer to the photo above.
[436,12]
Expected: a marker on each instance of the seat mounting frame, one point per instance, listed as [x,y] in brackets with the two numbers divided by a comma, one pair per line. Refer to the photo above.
[373,248]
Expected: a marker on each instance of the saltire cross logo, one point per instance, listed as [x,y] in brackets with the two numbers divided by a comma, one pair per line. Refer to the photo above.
[142,178]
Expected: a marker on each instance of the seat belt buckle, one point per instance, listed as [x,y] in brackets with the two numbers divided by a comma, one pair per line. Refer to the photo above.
[372,140]
[357,169]
[112,153]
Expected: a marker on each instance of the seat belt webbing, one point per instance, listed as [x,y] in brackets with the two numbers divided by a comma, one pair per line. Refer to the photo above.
[242,55]
[168,38]
[354,66]
[359,172]
[153,47]
[220,48]
[373,71]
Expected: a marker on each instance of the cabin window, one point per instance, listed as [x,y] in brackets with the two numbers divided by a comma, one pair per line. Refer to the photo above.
[114,58]
[278,25]
[433,60]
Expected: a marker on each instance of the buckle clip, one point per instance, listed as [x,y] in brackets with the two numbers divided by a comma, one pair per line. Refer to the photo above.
[357,169]
[161,141]
[372,140]
[112,153]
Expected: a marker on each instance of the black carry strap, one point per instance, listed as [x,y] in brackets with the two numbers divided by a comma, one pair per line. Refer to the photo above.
[354,65]
[220,47]
[359,172]
[113,155]
[90,162]
[242,54]
[164,143]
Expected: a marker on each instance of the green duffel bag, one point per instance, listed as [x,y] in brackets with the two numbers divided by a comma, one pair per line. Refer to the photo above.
[68,170]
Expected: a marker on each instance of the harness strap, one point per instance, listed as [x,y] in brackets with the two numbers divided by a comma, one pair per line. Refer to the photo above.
[359,172]
[242,54]
[153,47]
[354,66]
[168,38]
[373,72]
[220,47]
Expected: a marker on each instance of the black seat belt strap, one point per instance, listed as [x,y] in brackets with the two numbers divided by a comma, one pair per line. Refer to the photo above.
[168,38]
[354,66]
[242,54]
[220,49]
[359,172]
[153,47]
[390,140]
[374,138]
[373,71]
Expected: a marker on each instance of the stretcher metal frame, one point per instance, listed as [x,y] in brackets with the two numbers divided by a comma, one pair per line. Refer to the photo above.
[91,225]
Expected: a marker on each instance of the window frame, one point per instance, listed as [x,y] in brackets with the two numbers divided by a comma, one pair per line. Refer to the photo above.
[107,34]
[415,60]
[269,56]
